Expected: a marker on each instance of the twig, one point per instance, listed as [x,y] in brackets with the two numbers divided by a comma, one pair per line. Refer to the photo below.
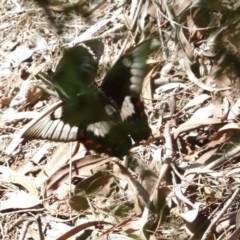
[235,235]
[214,222]
[131,28]
[24,229]
[40,231]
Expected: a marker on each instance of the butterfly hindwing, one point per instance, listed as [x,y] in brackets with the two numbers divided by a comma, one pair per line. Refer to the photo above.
[99,130]
[135,121]
[107,137]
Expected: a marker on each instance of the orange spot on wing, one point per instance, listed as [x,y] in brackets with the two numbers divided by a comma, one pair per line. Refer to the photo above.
[139,104]
[89,142]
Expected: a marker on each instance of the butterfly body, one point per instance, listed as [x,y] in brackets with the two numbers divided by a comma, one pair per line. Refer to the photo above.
[103,118]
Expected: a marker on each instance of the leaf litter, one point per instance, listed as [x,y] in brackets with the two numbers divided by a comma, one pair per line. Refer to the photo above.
[180,184]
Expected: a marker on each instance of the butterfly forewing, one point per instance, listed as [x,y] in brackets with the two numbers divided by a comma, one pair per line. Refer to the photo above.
[123,84]
[53,127]
[77,69]
[125,78]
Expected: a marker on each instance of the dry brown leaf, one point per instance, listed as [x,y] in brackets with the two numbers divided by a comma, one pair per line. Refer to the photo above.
[20,200]
[85,166]
[60,156]
[147,88]
[20,180]
[198,82]
[190,215]
[219,138]
[82,227]
[179,6]
[139,193]
[170,86]
[234,111]
[188,49]
[195,123]
[199,162]
[197,100]
[90,31]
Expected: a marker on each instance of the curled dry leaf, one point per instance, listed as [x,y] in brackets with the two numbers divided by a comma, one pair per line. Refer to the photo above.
[85,166]
[234,111]
[198,82]
[96,185]
[20,200]
[228,220]
[191,214]
[170,86]
[139,193]
[207,112]
[195,123]
[19,55]
[198,100]
[21,180]
[58,160]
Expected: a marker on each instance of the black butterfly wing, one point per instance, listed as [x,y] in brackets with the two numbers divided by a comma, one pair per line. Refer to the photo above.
[77,69]
[123,84]
[66,120]
[112,141]
[126,76]
[135,120]
[90,119]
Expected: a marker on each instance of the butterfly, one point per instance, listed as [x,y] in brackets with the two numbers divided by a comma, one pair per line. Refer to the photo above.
[103,118]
